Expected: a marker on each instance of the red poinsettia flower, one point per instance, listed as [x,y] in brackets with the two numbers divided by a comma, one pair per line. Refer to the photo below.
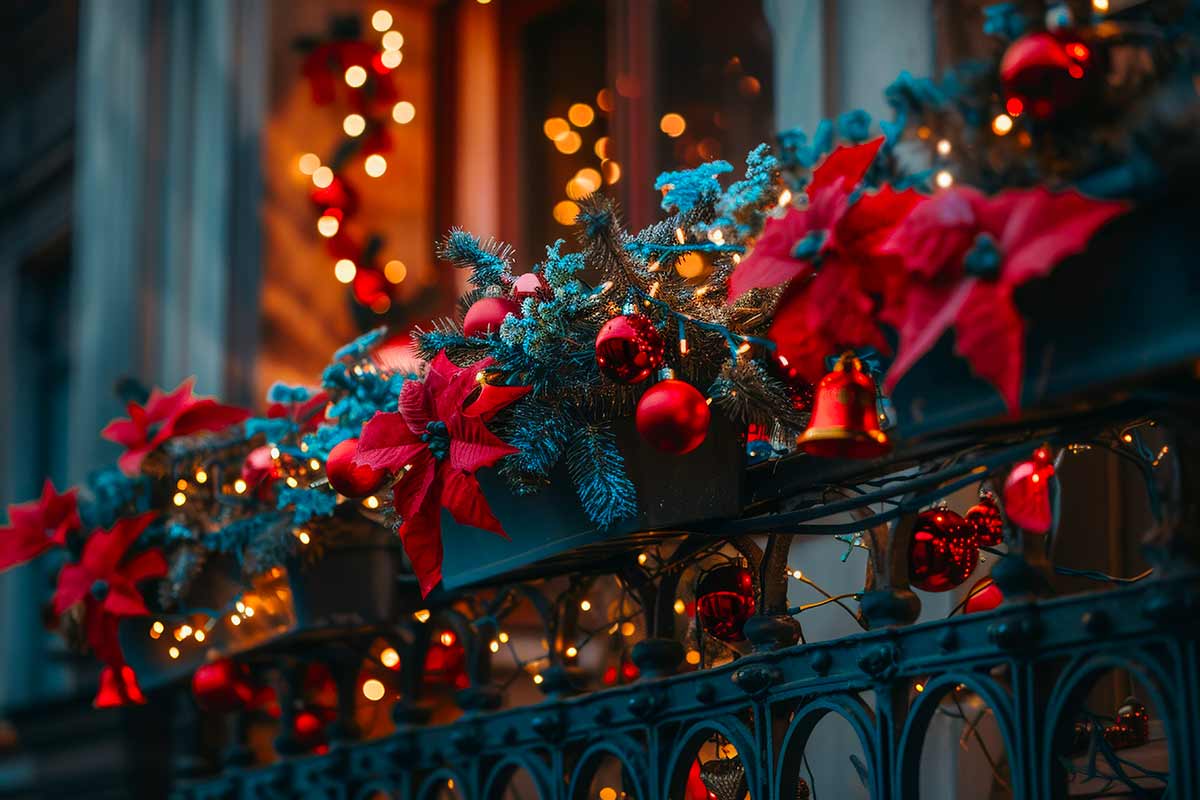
[441,445]
[828,255]
[164,416]
[37,526]
[965,253]
[307,415]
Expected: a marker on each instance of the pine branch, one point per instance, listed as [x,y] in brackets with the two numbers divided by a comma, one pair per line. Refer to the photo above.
[597,469]
[490,261]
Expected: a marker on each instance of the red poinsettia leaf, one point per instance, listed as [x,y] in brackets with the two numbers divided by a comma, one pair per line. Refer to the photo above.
[441,371]
[421,534]
[125,432]
[804,348]
[448,403]
[770,262]
[74,583]
[308,415]
[936,233]
[870,221]
[494,399]
[412,490]
[847,163]
[835,303]
[464,499]
[388,442]
[59,512]
[208,415]
[144,566]
[930,309]
[415,405]
[19,545]
[1037,229]
[161,406]
[100,629]
[104,549]
[124,600]
[990,335]
[473,446]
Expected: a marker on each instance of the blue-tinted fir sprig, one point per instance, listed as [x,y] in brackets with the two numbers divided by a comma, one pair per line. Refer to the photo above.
[490,262]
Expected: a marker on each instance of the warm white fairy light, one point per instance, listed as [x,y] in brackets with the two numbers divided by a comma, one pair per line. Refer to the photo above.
[355,76]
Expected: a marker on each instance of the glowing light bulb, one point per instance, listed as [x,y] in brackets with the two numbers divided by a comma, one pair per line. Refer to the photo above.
[572,651]
[371,502]
[156,630]
[569,143]
[797,574]
[179,499]
[173,652]
[944,179]
[327,225]
[183,632]
[447,638]
[199,635]
[503,637]
[393,40]
[381,20]
[943,147]
[389,658]
[628,629]
[292,482]
[785,197]
[494,646]
[608,793]
[354,124]
[1002,124]
[373,689]
[391,58]
[920,687]
[581,115]
[556,128]
[565,212]
[344,270]
[395,271]
[421,615]
[693,657]
[680,607]
[538,679]
[672,125]
[642,558]
[304,537]
[308,163]
[314,464]
[355,76]
[201,476]
[375,165]
[249,611]
[585,605]
[322,177]
[1100,6]
[403,112]
[239,486]
[235,620]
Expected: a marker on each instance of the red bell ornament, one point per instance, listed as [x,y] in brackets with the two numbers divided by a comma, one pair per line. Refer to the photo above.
[1044,74]
[942,554]
[222,685]
[845,418]
[629,349]
[983,596]
[531,284]
[347,478]
[725,600]
[986,519]
[673,417]
[118,687]
[1027,496]
[486,315]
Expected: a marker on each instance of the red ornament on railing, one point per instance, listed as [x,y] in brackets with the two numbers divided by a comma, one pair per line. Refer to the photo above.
[943,553]
[1027,493]
[845,418]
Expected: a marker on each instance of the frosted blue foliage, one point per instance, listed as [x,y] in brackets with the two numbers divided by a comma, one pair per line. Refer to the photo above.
[598,471]
[273,429]
[795,150]
[854,126]
[560,270]
[489,261]
[1004,20]
[179,533]
[744,204]
[285,393]
[360,346]
[325,438]
[594,221]
[691,187]
[307,504]
[911,95]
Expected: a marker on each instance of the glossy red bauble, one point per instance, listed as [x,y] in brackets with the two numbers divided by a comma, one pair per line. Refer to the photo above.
[1027,496]
[370,287]
[486,315]
[673,417]
[845,417]
[347,478]
[1044,74]
[222,685]
[629,349]
[724,601]
[943,553]
[983,596]
[259,467]
[531,284]
[988,522]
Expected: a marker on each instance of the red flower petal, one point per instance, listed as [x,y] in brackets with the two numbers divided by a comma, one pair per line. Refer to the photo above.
[421,532]
[388,442]
[415,405]
[74,583]
[936,234]
[848,163]
[929,311]
[770,262]
[990,335]
[207,415]
[464,499]
[104,550]
[144,566]
[412,490]
[494,399]
[124,600]
[473,446]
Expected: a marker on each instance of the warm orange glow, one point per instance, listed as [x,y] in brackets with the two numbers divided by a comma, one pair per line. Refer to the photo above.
[1078,50]
[395,271]
[328,225]
[173,652]
[569,143]
[589,178]
[1002,124]
[373,689]
[344,270]
[577,190]
[239,486]
[393,40]
[381,20]
[611,170]
[628,629]
[944,179]
[308,163]
[693,657]
[355,76]
[672,124]
[565,212]
[403,112]
[375,165]
[604,99]
[389,658]
[601,148]
[581,115]
[749,86]
[391,58]
[380,305]
[447,638]
[690,265]
[555,128]
[322,177]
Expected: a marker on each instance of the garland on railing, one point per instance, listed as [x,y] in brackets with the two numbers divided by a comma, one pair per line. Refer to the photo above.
[818,255]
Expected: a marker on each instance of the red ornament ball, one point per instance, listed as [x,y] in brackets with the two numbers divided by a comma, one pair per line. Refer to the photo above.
[222,685]
[725,600]
[983,596]
[673,417]
[259,467]
[485,315]
[943,553]
[1027,496]
[986,519]
[370,287]
[531,284]
[800,391]
[629,349]
[347,478]
[1044,74]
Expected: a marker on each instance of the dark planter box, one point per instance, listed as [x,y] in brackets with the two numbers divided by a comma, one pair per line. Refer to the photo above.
[352,586]
[673,491]
[1101,324]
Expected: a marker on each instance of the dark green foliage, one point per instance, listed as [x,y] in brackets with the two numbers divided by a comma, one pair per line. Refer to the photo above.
[597,469]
